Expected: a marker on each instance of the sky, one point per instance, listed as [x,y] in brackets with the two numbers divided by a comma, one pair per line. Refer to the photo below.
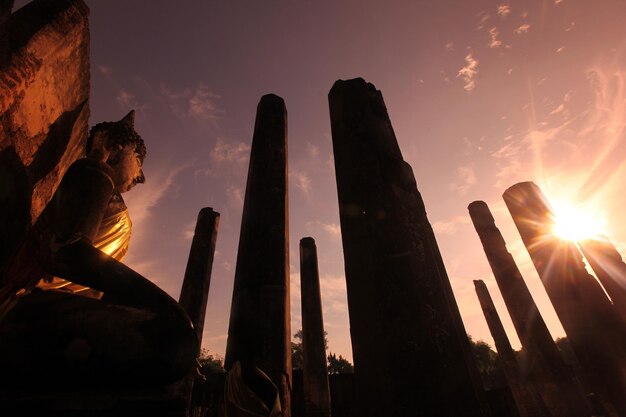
[481,94]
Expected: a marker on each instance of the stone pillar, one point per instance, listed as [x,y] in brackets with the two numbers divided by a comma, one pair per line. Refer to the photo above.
[593,328]
[316,391]
[544,367]
[260,328]
[610,269]
[411,353]
[528,401]
[195,291]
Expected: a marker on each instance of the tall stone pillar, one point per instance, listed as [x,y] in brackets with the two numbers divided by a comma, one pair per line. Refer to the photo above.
[593,327]
[544,367]
[610,269]
[528,401]
[259,333]
[411,353]
[316,389]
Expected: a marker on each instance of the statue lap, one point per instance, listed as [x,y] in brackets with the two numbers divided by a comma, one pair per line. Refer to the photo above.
[136,335]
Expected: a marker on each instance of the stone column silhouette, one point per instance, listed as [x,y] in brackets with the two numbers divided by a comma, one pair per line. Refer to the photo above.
[593,327]
[259,332]
[411,353]
[315,372]
[544,365]
[195,290]
[528,401]
[610,269]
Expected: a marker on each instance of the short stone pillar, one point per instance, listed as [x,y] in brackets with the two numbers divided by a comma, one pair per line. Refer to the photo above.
[411,352]
[259,333]
[527,399]
[195,291]
[316,390]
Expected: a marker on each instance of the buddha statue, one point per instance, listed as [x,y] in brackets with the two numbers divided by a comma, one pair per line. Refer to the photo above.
[71,314]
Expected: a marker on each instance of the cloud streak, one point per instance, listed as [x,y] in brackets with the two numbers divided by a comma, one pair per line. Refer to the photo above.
[198,103]
[469,72]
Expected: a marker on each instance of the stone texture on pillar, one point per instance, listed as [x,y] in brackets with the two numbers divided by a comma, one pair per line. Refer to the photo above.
[593,327]
[544,367]
[316,390]
[260,329]
[195,291]
[610,269]
[44,88]
[411,353]
[528,401]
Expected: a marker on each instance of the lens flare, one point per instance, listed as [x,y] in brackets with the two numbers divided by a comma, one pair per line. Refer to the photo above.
[577,222]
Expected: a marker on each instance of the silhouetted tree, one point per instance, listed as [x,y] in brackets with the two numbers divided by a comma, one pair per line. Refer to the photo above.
[339,365]
[210,361]
[489,366]
[297,358]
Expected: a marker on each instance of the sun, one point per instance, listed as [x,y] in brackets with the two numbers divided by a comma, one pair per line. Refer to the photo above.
[577,222]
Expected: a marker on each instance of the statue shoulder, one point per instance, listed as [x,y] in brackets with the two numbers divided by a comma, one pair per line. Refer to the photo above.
[90,164]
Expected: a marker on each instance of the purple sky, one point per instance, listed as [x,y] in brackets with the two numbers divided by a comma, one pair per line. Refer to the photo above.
[481,94]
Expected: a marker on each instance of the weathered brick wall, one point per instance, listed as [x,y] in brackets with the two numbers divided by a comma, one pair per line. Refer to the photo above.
[44,91]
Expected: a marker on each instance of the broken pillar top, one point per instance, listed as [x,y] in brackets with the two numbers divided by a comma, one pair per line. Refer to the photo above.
[480,213]
[361,108]
[272,100]
[529,194]
[307,241]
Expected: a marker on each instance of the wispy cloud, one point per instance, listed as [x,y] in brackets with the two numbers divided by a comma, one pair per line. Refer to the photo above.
[450,226]
[235,195]
[145,196]
[521,29]
[198,103]
[494,42]
[224,151]
[469,72]
[125,99]
[504,10]
[106,71]
[467,179]
[483,18]
[301,180]
[332,229]
[313,151]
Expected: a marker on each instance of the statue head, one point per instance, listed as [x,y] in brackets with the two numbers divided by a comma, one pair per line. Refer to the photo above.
[121,147]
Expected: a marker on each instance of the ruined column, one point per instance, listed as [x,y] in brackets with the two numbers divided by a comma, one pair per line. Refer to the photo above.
[316,390]
[260,329]
[593,328]
[544,366]
[528,401]
[195,291]
[410,348]
[610,269]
